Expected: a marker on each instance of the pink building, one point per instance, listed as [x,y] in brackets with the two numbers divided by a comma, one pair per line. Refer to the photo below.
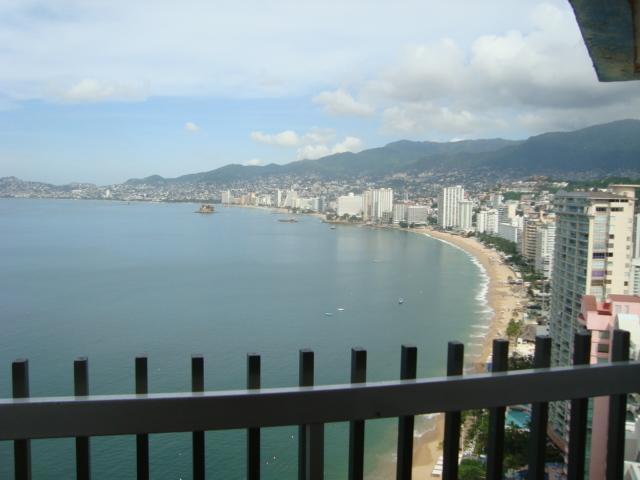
[601,318]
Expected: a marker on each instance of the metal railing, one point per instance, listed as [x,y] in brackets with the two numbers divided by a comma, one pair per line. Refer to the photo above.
[310,407]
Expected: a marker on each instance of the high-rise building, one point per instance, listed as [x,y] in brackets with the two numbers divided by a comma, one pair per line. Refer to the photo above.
[350,205]
[367,205]
[279,200]
[592,257]
[377,204]
[399,212]
[226,198]
[507,211]
[636,236]
[545,244]
[634,276]
[382,203]
[417,214]
[291,200]
[487,221]
[465,214]
[509,231]
[528,238]
[448,204]
[495,199]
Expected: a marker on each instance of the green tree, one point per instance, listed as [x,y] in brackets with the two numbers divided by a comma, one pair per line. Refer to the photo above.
[513,329]
[471,469]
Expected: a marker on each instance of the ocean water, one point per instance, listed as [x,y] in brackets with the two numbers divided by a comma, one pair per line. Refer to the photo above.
[110,280]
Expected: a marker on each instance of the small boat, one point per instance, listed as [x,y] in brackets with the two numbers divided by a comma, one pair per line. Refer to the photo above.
[340,309]
[328,314]
[401,300]
[288,220]
[332,228]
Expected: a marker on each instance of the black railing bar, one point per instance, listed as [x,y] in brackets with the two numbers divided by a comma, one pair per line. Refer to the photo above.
[579,413]
[83,446]
[305,379]
[197,438]
[617,412]
[452,420]
[404,463]
[495,444]
[539,416]
[183,412]
[142,439]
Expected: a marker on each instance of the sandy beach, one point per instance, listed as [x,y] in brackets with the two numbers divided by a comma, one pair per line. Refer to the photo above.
[503,299]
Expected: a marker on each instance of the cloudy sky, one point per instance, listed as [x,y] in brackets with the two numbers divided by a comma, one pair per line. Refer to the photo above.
[102,91]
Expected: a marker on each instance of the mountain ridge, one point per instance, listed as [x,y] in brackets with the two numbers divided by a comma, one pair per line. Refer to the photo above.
[612,148]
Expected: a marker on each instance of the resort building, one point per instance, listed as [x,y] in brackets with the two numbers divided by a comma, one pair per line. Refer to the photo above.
[592,257]
[507,211]
[528,239]
[601,318]
[465,213]
[487,221]
[377,204]
[226,198]
[399,213]
[449,199]
[417,215]
[350,205]
[545,244]
[508,231]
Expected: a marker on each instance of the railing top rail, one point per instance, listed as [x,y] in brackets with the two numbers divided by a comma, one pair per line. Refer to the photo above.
[49,417]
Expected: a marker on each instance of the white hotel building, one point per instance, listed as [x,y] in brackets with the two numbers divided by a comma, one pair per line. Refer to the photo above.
[449,199]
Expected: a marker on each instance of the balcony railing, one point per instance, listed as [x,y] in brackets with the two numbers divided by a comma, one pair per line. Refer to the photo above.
[310,407]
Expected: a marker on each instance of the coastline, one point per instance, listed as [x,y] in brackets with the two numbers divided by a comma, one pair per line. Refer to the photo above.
[503,299]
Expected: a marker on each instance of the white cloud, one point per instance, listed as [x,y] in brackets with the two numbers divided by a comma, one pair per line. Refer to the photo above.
[316,143]
[526,80]
[191,127]
[349,144]
[291,48]
[340,102]
[287,138]
[92,90]
[425,118]
[254,162]
[312,151]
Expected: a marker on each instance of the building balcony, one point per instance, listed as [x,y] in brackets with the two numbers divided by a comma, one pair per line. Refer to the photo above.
[83,416]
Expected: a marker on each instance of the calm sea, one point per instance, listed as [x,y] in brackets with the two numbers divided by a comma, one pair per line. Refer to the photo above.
[110,280]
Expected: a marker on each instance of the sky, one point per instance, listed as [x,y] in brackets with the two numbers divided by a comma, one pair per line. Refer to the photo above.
[102,91]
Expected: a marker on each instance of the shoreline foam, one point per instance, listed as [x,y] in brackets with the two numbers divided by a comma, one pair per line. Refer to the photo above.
[497,301]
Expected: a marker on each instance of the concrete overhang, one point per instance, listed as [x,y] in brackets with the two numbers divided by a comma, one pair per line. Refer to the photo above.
[611,31]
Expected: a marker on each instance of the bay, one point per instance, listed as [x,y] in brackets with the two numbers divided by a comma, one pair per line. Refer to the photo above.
[111,280]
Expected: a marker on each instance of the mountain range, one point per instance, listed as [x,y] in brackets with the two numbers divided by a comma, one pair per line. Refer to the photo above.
[592,152]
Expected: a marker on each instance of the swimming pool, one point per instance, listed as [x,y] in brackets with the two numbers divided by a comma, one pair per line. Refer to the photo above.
[518,418]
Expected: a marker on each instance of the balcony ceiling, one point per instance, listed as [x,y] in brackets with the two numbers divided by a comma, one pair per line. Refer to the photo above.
[611,31]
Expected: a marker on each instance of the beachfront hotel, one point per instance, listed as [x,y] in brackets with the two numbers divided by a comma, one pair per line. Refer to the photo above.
[449,200]
[593,248]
